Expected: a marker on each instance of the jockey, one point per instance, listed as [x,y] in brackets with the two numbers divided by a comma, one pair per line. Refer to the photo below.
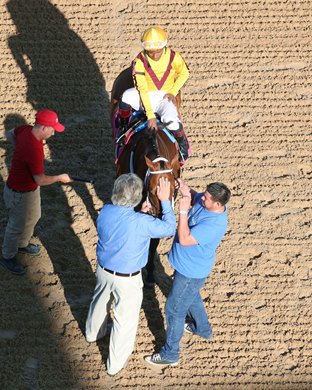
[158,74]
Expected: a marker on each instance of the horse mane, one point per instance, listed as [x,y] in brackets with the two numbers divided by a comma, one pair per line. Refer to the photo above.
[153,147]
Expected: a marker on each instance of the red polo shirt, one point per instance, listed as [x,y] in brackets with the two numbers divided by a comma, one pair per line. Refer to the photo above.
[27,161]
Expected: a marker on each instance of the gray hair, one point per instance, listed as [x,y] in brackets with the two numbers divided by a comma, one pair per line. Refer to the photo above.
[127,191]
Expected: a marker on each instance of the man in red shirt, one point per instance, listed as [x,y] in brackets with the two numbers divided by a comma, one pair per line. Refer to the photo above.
[22,189]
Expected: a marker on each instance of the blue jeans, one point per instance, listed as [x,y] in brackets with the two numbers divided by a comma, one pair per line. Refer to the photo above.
[184,299]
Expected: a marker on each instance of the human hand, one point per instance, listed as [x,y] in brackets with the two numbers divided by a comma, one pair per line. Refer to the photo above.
[184,188]
[146,206]
[65,178]
[163,189]
[152,124]
[171,98]
[185,203]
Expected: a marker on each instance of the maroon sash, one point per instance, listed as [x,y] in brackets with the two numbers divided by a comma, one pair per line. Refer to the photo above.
[158,83]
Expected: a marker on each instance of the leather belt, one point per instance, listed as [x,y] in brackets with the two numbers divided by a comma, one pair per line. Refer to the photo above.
[119,273]
[21,192]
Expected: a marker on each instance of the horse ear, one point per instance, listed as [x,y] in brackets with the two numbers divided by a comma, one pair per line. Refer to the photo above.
[149,163]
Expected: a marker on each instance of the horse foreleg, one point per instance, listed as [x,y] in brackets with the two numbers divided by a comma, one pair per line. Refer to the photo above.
[150,266]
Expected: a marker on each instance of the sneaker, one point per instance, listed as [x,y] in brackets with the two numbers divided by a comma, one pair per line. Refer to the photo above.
[157,360]
[12,266]
[31,249]
[188,328]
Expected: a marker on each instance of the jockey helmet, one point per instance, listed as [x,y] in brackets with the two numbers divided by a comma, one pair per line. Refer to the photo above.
[154,38]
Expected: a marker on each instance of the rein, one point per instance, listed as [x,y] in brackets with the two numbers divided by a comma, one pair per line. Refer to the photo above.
[147,178]
[150,195]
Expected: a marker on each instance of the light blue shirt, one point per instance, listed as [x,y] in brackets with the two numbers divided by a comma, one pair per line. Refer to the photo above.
[124,236]
[208,229]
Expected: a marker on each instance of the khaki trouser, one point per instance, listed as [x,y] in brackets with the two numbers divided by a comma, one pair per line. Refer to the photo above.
[24,210]
[127,296]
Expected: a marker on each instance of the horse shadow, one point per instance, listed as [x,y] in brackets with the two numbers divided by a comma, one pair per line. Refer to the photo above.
[153,313]
[62,75]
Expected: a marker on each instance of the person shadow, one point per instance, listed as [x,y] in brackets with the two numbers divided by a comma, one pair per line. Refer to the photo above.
[62,75]
[10,122]
[24,371]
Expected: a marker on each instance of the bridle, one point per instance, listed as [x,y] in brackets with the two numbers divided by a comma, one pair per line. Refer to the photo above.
[150,195]
[158,172]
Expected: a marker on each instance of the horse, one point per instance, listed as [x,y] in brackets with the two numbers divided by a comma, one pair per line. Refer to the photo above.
[149,153]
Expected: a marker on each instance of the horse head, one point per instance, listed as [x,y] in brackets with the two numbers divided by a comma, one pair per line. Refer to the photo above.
[157,168]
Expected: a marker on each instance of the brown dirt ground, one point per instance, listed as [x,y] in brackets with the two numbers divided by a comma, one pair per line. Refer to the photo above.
[247,110]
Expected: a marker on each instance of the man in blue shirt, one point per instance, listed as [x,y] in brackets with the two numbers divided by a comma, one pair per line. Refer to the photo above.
[200,230]
[122,250]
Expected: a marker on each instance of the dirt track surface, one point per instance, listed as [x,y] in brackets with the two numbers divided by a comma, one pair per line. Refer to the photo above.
[247,111]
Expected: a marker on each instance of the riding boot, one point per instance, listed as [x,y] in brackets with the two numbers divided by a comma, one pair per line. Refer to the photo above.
[124,115]
[182,141]
[183,145]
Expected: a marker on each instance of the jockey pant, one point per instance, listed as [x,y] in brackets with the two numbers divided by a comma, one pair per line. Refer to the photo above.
[163,107]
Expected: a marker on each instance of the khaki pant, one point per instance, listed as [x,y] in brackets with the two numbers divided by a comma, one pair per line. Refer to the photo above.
[24,210]
[127,296]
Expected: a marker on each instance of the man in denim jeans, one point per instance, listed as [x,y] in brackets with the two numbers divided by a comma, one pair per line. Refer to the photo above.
[200,230]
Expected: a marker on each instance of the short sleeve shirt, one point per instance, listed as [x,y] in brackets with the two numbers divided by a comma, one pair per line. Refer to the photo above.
[208,229]
[27,161]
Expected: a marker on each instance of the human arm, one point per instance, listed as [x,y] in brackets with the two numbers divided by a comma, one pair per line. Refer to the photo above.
[140,82]
[146,206]
[152,123]
[44,180]
[185,190]
[182,72]
[184,233]
[158,228]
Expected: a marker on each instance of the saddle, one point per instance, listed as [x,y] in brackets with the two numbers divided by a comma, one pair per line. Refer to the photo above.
[137,122]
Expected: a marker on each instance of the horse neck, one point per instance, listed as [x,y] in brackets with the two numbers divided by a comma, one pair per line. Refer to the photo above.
[154,154]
